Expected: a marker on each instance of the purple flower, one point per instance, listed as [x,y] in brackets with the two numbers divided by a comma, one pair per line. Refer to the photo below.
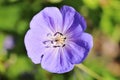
[57,40]
[9,42]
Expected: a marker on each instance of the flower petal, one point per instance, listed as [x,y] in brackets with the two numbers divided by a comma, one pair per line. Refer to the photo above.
[49,17]
[68,16]
[38,22]
[78,48]
[78,26]
[34,45]
[75,53]
[85,40]
[80,19]
[74,31]
[55,61]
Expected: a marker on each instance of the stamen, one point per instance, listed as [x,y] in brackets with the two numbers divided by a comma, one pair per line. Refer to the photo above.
[47,43]
[49,34]
[57,40]
[58,33]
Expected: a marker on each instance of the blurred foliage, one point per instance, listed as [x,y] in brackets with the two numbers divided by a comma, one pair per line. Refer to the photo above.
[103,21]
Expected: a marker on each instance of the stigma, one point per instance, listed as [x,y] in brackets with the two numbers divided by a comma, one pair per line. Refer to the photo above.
[56,40]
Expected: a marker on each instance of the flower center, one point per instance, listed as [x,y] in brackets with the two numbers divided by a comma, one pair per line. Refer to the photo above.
[56,40]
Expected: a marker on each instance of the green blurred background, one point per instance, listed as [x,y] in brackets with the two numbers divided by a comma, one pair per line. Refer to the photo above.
[103,22]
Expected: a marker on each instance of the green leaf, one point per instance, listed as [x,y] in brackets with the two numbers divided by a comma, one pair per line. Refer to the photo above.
[19,64]
[22,26]
[106,24]
[2,68]
[9,16]
[91,4]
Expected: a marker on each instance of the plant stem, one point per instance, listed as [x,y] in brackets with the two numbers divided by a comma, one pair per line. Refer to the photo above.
[90,72]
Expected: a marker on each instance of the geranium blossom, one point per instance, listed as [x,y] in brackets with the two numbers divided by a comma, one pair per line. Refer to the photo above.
[56,39]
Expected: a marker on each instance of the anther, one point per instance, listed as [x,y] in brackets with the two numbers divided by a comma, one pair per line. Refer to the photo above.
[56,40]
